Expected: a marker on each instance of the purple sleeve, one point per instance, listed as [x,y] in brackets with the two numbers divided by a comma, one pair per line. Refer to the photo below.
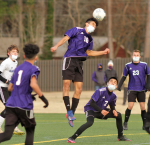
[72,32]
[96,95]
[147,70]
[35,72]
[90,46]
[126,71]
[93,77]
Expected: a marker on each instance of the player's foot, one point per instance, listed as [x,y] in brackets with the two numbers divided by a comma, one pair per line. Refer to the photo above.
[1,131]
[143,127]
[70,115]
[71,140]
[125,126]
[18,131]
[122,138]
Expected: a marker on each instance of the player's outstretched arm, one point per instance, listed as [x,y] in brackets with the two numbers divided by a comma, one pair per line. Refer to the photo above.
[37,89]
[10,87]
[121,82]
[61,42]
[97,53]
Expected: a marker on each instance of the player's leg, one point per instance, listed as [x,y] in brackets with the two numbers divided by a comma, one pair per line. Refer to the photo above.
[76,96]
[2,119]
[29,135]
[89,123]
[141,100]
[131,99]
[147,125]
[125,95]
[118,124]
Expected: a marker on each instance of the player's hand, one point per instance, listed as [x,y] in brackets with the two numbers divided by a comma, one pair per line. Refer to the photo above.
[7,82]
[106,51]
[33,96]
[104,112]
[53,49]
[44,100]
[115,113]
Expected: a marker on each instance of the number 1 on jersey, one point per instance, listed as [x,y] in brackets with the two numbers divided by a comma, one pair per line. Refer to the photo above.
[19,77]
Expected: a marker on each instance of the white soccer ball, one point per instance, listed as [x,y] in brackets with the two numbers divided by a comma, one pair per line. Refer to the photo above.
[99,14]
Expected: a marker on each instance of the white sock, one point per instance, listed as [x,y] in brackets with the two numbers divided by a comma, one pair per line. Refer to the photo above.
[1,121]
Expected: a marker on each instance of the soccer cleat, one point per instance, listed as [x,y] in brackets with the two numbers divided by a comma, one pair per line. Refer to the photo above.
[1,131]
[71,140]
[70,115]
[17,131]
[125,127]
[122,138]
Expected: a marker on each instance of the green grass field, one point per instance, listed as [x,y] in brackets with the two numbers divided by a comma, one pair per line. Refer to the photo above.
[53,129]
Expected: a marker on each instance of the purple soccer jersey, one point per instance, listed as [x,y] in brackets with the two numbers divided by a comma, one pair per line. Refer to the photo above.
[137,75]
[79,42]
[21,94]
[102,99]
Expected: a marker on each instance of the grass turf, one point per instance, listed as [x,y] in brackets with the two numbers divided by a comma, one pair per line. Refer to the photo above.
[53,129]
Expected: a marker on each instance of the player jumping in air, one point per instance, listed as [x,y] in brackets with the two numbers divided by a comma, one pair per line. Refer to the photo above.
[137,72]
[97,108]
[19,106]
[80,46]
[7,68]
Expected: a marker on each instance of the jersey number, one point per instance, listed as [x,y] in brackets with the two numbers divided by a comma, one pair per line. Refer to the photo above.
[19,77]
[105,103]
[136,72]
[86,39]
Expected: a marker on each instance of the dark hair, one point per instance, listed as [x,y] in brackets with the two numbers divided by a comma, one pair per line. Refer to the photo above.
[11,47]
[92,19]
[30,50]
[136,50]
[113,78]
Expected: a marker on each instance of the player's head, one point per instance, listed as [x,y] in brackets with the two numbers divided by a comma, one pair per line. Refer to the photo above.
[12,52]
[136,56]
[90,25]
[31,51]
[112,84]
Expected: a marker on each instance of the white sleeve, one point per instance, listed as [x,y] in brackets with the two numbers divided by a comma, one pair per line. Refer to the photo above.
[3,66]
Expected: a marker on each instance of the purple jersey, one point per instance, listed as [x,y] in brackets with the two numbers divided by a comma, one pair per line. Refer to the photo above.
[102,99]
[79,42]
[21,94]
[137,75]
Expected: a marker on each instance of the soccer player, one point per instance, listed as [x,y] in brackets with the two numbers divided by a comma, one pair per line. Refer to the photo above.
[137,72]
[80,46]
[97,108]
[7,68]
[19,106]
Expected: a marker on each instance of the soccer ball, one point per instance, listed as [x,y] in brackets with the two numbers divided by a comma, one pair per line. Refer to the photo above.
[99,14]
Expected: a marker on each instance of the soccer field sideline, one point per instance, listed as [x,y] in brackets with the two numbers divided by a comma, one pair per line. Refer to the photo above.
[56,104]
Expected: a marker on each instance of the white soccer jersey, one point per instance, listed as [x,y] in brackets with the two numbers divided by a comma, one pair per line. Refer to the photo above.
[7,68]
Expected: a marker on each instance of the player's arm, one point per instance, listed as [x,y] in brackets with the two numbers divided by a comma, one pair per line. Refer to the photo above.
[121,82]
[61,42]
[148,83]
[96,107]
[37,89]
[3,79]
[97,53]
[10,87]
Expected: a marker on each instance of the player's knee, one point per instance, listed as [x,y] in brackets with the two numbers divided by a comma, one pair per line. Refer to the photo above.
[78,90]
[119,116]
[89,123]
[66,86]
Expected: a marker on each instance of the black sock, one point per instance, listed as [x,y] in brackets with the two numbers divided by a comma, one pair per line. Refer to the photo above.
[90,121]
[67,102]
[127,115]
[143,115]
[75,102]
[119,125]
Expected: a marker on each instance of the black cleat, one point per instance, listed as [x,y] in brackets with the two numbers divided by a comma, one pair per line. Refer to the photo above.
[122,138]
[125,126]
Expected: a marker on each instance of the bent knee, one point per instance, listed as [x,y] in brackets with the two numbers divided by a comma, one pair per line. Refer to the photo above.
[119,115]
[90,123]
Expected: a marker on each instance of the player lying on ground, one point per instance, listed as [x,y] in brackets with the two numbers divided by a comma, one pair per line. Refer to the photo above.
[137,71]
[7,68]
[19,106]
[79,48]
[97,108]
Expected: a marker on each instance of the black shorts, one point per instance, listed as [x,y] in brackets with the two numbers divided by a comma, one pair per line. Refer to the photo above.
[4,94]
[132,95]
[14,116]
[100,115]
[72,69]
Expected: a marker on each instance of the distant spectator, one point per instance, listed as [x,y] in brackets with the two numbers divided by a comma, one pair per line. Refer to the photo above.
[110,72]
[98,77]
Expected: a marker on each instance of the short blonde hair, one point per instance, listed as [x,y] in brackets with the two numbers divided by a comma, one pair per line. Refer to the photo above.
[136,50]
